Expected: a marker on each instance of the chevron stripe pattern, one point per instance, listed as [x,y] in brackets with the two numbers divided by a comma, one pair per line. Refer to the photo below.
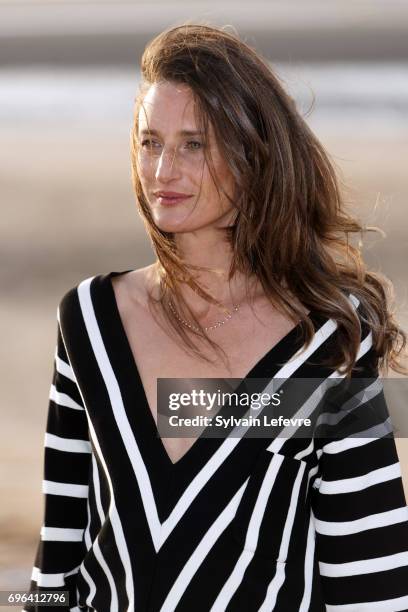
[240,524]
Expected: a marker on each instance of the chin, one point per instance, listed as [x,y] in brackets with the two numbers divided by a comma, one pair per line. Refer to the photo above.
[180,219]
[172,221]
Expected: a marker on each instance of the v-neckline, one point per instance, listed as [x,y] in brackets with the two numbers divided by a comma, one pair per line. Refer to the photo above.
[285,348]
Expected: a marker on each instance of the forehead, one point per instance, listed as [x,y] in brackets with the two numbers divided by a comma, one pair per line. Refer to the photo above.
[166,106]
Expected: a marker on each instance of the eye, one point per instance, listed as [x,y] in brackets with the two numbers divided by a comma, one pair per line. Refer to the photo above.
[195,145]
[149,143]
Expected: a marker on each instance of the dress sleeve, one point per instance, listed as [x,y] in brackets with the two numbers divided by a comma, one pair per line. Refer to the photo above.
[61,547]
[359,507]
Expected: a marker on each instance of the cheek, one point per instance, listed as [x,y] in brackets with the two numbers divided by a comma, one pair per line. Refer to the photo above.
[146,169]
[225,177]
[217,189]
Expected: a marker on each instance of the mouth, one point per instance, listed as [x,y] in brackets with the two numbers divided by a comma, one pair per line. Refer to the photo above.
[170,199]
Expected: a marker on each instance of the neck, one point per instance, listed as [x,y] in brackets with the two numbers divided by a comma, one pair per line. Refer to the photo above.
[208,251]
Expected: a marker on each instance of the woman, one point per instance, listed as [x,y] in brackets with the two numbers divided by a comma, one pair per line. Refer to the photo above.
[254,278]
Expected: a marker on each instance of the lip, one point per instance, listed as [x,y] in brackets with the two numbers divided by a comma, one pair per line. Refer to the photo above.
[171,197]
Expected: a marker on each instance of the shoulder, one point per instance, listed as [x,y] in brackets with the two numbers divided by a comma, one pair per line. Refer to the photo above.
[134,286]
[130,287]
[131,291]
[366,363]
[336,340]
[69,305]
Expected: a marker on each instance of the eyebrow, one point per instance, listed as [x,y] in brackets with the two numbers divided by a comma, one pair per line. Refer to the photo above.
[181,132]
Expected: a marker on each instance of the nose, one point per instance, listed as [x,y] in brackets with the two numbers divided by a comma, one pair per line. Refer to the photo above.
[168,167]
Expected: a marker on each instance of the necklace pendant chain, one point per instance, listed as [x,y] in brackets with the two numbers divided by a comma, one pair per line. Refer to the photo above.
[208,327]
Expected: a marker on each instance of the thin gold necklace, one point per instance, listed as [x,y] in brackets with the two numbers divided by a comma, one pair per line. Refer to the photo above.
[219,323]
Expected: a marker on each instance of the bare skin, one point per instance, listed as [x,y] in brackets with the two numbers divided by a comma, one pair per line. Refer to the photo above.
[258,328]
[171,159]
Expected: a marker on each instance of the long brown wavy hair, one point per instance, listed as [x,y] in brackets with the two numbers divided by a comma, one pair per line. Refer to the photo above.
[291,228]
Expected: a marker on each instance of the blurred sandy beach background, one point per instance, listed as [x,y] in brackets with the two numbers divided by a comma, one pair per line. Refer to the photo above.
[68,78]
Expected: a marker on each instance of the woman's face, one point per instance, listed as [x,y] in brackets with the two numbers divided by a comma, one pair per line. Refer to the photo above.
[175,177]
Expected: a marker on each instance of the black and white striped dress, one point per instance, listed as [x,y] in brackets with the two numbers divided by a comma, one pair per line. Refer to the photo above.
[236,524]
